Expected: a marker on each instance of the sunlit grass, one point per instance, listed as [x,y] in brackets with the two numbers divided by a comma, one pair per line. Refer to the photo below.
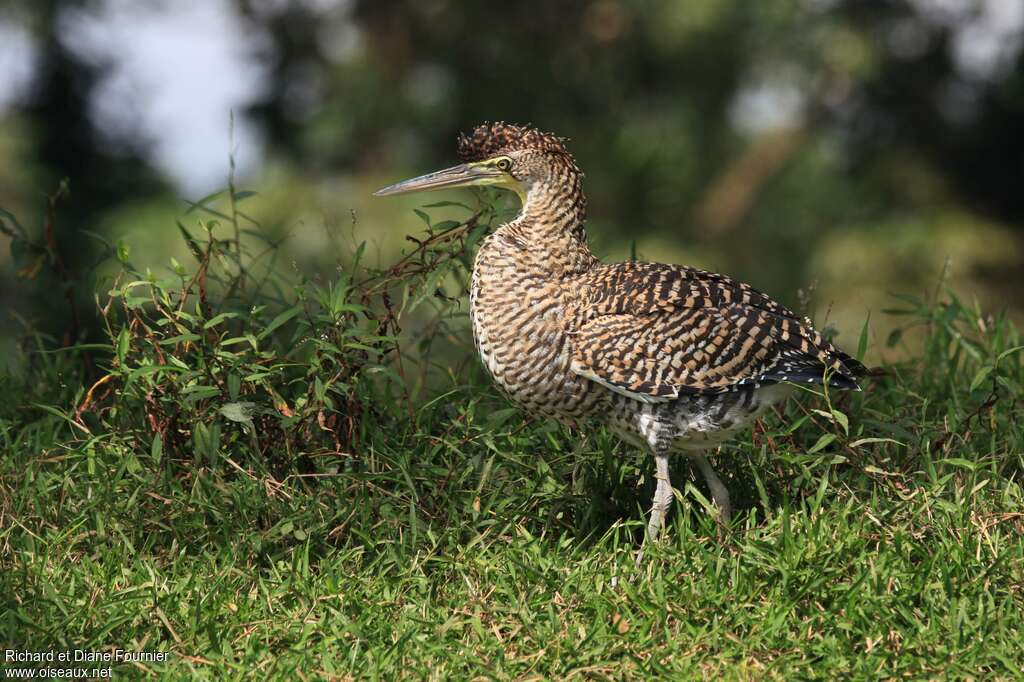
[879,534]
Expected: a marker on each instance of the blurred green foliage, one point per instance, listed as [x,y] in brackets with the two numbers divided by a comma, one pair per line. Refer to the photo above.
[828,151]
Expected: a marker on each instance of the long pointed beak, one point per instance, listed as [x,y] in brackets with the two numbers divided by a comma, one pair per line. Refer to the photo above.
[457,176]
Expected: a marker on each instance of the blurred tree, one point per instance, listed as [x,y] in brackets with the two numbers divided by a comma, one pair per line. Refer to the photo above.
[656,82]
[737,135]
[66,145]
[963,119]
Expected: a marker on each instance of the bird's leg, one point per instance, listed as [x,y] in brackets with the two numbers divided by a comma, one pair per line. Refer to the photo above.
[662,502]
[662,497]
[719,493]
[660,440]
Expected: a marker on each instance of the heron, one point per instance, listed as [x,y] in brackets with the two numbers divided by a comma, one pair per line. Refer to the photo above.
[673,359]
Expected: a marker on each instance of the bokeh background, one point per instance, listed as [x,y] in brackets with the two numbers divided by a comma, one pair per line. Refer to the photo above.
[831,152]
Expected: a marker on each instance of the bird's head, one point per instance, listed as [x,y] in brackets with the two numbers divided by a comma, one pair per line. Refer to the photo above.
[501,155]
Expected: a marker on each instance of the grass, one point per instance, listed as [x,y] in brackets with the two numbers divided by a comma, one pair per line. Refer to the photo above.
[288,507]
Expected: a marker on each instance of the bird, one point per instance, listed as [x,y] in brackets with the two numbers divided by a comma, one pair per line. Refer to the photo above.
[672,359]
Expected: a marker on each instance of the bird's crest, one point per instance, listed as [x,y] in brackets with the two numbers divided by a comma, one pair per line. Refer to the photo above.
[491,139]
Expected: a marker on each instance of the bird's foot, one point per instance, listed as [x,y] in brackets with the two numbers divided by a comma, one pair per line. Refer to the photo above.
[655,526]
[662,502]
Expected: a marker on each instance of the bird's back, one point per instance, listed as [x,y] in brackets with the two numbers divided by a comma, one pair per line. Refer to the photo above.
[658,331]
[621,340]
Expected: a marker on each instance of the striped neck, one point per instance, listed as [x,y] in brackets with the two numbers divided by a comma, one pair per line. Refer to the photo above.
[551,223]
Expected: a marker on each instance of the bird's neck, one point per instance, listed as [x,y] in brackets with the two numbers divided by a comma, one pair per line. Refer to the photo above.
[551,226]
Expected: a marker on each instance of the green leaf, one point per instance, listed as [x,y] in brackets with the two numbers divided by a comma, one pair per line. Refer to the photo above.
[909,298]
[180,338]
[1009,352]
[233,341]
[423,216]
[842,420]
[980,376]
[278,321]
[864,441]
[206,442]
[1008,384]
[949,313]
[202,202]
[498,417]
[234,385]
[106,347]
[57,413]
[960,462]
[153,369]
[338,296]
[358,257]
[361,346]
[196,393]
[206,209]
[217,319]
[822,443]
[239,411]
[122,344]
[193,245]
[156,450]
[862,342]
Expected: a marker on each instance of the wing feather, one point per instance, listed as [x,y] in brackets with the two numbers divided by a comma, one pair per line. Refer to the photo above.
[654,331]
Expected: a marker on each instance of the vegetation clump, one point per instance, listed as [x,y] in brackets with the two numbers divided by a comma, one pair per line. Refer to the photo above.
[258,471]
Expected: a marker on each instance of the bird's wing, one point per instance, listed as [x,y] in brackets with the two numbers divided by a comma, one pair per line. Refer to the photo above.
[655,331]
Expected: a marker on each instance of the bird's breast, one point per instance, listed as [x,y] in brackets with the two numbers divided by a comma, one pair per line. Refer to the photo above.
[522,322]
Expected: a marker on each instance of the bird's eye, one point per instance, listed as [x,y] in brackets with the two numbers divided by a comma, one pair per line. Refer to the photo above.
[504,164]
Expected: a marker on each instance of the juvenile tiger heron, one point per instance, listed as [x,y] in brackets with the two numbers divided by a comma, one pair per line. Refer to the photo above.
[671,358]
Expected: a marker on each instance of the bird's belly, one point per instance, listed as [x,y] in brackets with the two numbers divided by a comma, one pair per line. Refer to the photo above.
[698,422]
[519,333]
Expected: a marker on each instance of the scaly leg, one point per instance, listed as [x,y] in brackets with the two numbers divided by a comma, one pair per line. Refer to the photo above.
[662,502]
[662,497]
[719,493]
[660,439]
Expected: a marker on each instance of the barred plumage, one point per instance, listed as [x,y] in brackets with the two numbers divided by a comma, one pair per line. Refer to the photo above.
[659,331]
[672,358]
